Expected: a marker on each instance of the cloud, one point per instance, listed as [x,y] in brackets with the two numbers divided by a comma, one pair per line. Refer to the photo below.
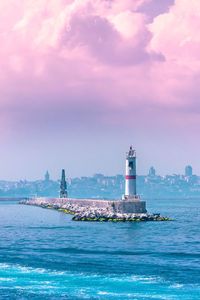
[66,56]
[154,8]
[91,64]
[175,35]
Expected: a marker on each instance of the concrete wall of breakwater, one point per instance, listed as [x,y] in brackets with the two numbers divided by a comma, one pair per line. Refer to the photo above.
[118,206]
[13,198]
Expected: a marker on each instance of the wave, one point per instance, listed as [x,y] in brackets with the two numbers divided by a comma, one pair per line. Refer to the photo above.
[49,227]
[73,250]
[80,285]
[99,252]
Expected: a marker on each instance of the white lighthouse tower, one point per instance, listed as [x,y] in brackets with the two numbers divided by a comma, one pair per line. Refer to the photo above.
[130,177]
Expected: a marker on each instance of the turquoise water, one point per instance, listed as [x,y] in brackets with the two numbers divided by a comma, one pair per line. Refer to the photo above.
[45,255]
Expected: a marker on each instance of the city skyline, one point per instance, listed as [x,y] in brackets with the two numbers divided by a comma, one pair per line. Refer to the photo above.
[187,171]
[101,186]
[82,80]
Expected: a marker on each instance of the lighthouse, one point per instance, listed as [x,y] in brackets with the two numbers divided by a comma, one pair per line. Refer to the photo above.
[130,176]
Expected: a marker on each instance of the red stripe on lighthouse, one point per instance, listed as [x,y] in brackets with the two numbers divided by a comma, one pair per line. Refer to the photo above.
[130,176]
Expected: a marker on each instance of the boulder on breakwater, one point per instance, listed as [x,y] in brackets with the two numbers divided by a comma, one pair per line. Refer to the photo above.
[98,217]
[119,218]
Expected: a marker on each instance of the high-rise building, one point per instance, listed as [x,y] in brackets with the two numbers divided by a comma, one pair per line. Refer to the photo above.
[188,171]
[63,186]
[152,172]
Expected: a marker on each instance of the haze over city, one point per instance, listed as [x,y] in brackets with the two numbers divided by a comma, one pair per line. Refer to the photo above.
[82,80]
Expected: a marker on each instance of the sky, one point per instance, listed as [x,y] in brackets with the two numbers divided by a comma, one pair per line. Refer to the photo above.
[80,81]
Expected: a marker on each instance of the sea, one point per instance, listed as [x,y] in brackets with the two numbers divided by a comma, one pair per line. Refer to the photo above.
[46,255]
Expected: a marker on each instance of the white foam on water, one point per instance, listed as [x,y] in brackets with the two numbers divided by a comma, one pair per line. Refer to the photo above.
[31,270]
[4,266]
[83,293]
[45,287]
[52,281]
[147,279]
[117,295]
[42,284]
[138,279]
[177,286]
[156,296]
[7,279]
[135,296]
[59,273]
[102,293]
[22,269]
[46,282]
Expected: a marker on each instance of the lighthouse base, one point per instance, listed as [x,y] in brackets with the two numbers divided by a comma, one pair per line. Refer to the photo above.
[131,206]
[131,198]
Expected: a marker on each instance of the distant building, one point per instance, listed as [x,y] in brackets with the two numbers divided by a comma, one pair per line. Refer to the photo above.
[47,176]
[188,171]
[152,172]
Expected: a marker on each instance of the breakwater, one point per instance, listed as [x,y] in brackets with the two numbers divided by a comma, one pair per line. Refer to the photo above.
[12,198]
[98,210]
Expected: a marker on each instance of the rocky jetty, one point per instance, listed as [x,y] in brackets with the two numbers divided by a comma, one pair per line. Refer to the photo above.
[98,217]
[92,213]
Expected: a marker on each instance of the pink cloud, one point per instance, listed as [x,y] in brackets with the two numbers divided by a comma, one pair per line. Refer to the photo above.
[86,62]
[175,33]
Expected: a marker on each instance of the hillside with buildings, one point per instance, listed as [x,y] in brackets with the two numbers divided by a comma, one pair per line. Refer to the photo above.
[101,186]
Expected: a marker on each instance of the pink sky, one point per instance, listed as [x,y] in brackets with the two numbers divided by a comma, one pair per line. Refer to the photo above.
[81,80]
